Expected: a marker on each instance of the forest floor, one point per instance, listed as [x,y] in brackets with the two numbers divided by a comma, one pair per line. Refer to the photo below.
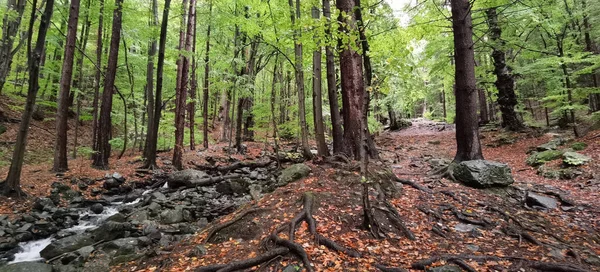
[483,230]
[495,231]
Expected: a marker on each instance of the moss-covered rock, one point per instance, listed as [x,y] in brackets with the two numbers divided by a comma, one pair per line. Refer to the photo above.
[293,173]
[578,146]
[551,145]
[575,159]
[539,158]
[483,174]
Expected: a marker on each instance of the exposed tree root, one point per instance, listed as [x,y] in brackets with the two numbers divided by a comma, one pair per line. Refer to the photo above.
[223,225]
[245,264]
[384,268]
[556,267]
[285,246]
[6,190]
[396,219]
[412,184]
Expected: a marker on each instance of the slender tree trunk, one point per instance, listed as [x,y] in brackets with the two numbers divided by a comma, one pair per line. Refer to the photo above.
[594,97]
[318,96]
[483,112]
[505,81]
[97,78]
[205,89]
[467,130]
[336,120]
[10,28]
[105,126]
[299,78]
[60,150]
[82,46]
[12,183]
[193,87]
[444,103]
[150,79]
[153,134]
[180,93]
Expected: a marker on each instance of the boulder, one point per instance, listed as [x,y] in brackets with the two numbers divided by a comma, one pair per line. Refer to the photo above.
[27,267]
[233,187]
[539,158]
[123,246]
[111,230]
[67,244]
[551,145]
[118,177]
[293,173]
[43,204]
[172,216]
[185,177]
[572,158]
[97,208]
[483,174]
[540,201]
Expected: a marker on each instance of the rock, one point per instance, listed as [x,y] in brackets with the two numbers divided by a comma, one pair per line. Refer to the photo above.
[438,163]
[85,251]
[292,268]
[472,247]
[43,204]
[60,187]
[82,186]
[118,177]
[233,187]
[572,158]
[551,145]
[111,183]
[139,216]
[254,174]
[444,268]
[172,216]
[111,230]
[539,158]
[123,246]
[67,244]
[293,173]
[578,146]
[541,201]
[483,174]
[198,251]
[150,229]
[154,208]
[96,191]
[185,177]
[97,208]
[460,227]
[117,217]
[7,243]
[27,267]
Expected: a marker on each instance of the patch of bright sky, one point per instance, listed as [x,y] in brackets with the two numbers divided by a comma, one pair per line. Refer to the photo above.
[398,8]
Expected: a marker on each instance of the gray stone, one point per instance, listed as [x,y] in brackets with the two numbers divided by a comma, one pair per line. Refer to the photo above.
[551,145]
[117,217]
[111,183]
[233,187]
[539,158]
[572,158]
[85,251]
[27,267]
[43,204]
[445,268]
[483,174]
[293,173]
[460,227]
[292,268]
[158,196]
[472,247]
[97,208]
[67,244]
[185,177]
[139,216]
[541,201]
[172,216]
[118,177]
[198,251]
[123,246]
[111,230]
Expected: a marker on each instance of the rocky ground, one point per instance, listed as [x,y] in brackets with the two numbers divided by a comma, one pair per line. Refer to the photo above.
[227,212]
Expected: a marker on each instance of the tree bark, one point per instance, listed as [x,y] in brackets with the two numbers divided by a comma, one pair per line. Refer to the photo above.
[594,97]
[318,96]
[180,92]
[193,87]
[505,81]
[467,130]
[153,134]
[60,148]
[206,82]
[150,79]
[299,72]
[97,77]
[105,127]
[336,120]
[12,183]
[10,28]
[483,109]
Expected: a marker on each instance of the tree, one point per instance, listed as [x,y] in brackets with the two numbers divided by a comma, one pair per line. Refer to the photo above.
[180,90]
[12,183]
[318,97]
[336,120]
[60,150]
[206,82]
[150,78]
[105,124]
[505,81]
[97,77]
[153,134]
[10,27]
[299,73]
[467,130]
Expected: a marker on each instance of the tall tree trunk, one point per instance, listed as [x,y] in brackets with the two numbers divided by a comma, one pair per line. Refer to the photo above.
[467,130]
[352,81]
[299,72]
[193,87]
[60,149]
[97,77]
[483,109]
[12,183]
[150,79]
[205,89]
[79,68]
[180,91]
[10,28]
[336,120]
[153,134]
[318,96]
[505,81]
[105,127]
[594,97]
